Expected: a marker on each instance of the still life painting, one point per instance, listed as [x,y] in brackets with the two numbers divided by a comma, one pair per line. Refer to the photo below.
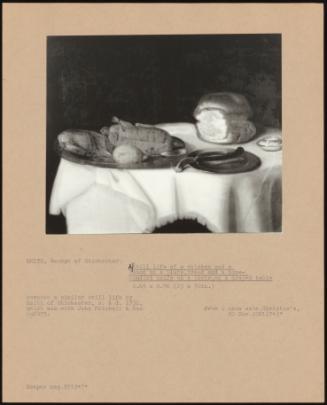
[164,134]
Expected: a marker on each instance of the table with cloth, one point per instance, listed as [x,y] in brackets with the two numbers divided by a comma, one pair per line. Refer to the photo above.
[98,200]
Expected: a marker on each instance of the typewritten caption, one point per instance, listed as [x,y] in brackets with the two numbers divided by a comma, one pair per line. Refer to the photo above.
[61,261]
[47,305]
[143,275]
[153,277]
[43,306]
[56,387]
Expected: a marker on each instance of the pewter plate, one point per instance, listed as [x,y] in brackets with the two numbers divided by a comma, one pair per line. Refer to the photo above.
[245,163]
[152,162]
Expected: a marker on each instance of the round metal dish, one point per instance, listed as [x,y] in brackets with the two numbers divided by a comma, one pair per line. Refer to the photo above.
[152,162]
[246,162]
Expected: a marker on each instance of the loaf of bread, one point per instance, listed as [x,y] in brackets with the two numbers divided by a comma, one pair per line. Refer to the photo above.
[84,142]
[147,138]
[224,118]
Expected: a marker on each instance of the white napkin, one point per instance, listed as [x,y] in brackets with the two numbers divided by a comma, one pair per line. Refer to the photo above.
[110,197]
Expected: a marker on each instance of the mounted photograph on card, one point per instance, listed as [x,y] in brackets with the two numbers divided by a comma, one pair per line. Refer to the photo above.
[164,134]
[163,203]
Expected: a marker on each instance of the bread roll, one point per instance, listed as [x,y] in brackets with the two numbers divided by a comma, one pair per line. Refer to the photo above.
[223,118]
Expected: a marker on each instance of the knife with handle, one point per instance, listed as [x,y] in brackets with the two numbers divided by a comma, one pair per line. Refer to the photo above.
[213,158]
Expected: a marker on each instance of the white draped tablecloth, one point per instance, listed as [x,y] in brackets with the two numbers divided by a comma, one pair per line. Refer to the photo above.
[100,200]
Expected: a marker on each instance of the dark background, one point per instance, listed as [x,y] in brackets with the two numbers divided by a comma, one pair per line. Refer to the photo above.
[153,79]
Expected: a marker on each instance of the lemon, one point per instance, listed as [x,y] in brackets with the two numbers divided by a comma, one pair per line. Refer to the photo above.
[127,154]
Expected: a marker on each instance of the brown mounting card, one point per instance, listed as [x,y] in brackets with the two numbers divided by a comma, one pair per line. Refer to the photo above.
[201,317]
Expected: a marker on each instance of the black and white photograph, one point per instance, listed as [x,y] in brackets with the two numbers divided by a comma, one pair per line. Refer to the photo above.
[164,134]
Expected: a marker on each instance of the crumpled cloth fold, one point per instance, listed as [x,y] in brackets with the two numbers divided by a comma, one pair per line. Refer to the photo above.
[99,200]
